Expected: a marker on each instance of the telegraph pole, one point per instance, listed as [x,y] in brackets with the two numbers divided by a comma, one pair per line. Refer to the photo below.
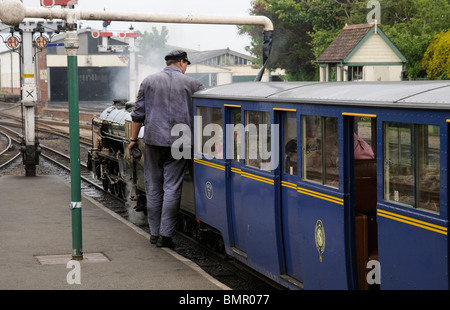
[29,94]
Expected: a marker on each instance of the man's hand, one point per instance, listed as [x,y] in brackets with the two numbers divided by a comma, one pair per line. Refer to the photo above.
[131,145]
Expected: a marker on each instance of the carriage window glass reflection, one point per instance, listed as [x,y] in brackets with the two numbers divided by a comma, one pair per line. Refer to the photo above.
[399,180]
[428,160]
[290,144]
[209,132]
[312,148]
[331,152]
[320,152]
[257,140]
[412,165]
[236,136]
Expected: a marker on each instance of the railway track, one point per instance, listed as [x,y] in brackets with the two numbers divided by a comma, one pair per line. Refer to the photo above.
[47,126]
[10,150]
[7,145]
[53,155]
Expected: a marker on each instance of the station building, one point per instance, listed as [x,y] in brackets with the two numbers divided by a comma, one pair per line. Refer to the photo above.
[102,73]
[10,72]
[361,53]
[102,69]
[224,66]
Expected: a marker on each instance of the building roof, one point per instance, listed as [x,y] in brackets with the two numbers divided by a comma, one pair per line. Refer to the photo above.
[200,56]
[350,40]
[345,42]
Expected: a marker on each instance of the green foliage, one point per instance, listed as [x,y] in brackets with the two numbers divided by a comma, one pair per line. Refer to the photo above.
[154,39]
[412,25]
[152,45]
[436,60]
[304,28]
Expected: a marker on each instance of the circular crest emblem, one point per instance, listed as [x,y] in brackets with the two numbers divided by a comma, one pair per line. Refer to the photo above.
[320,238]
[12,42]
[209,190]
[41,42]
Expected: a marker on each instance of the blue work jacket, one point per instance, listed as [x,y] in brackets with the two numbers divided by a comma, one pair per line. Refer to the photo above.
[164,100]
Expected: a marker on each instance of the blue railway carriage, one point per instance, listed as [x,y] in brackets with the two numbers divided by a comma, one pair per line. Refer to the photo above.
[328,185]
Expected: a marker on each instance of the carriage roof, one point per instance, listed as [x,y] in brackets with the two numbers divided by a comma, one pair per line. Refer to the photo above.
[410,94]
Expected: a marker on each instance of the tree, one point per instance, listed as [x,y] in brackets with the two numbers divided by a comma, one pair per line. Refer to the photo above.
[411,25]
[290,44]
[436,60]
[152,46]
[304,28]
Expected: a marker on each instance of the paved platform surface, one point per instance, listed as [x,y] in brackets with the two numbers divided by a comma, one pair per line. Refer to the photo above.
[36,245]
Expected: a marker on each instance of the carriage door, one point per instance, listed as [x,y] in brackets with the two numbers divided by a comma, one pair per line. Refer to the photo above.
[290,208]
[364,192]
[235,159]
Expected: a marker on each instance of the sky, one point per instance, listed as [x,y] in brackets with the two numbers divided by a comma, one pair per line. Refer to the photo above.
[197,37]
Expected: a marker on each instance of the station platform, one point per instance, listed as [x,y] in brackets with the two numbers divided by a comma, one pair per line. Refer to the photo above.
[36,245]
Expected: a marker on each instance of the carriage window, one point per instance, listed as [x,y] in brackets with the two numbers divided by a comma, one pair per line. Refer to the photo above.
[363,128]
[290,145]
[209,132]
[412,165]
[320,153]
[257,140]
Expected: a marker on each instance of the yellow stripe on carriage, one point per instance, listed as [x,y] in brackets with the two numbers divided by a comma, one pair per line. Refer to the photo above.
[257,178]
[209,164]
[239,171]
[285,110]
[289,185]
[313,193]
[411,221]
[236,170]
[232,105]
[358,114]
[252,176]
[271,182]
[305,191]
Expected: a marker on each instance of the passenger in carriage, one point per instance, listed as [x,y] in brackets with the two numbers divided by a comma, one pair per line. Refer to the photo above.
[362,149]
[290,150]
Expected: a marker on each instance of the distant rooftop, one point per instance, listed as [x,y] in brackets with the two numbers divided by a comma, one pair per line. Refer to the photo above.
[345,42]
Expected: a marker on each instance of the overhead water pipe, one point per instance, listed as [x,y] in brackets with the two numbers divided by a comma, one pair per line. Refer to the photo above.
[12,12]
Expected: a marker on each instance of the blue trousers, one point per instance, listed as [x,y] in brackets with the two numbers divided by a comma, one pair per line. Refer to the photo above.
[163,182]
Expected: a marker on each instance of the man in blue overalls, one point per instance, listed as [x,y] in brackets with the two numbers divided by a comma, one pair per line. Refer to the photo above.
[164,100]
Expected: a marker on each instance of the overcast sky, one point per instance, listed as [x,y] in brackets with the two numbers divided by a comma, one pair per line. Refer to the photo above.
[202,37]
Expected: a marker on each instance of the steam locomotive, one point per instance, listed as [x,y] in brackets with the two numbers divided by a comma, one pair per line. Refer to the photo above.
[279,178]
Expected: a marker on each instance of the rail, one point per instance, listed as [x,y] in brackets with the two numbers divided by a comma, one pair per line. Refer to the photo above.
[8,138]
